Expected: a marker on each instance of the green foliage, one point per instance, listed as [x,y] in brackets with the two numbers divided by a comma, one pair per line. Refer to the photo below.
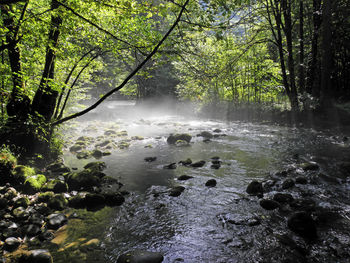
[7,163]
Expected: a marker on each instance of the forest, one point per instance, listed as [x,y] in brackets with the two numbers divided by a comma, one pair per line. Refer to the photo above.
[283,62]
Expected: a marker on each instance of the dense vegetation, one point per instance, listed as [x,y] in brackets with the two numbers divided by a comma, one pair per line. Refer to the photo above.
[290,54]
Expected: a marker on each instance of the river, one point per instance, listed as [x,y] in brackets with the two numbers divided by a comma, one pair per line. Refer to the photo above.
[209,224]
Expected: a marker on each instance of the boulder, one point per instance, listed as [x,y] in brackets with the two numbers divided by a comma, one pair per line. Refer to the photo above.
[55,221]
[181,143]
[186,162]
[84,154]
[140,256]
[97,153]
[255,188]
[85,179]
[56,185]
[58,167]
[3,203]
[11,243]
[269,204]
[77,201]
[211,183]
[176,191]
[170,166]
[38,256]
[76,148]
[184,177]
[57,202]
[198,164]
[302,224]
[96,166]
[173,138]
[206,134]
[150,159]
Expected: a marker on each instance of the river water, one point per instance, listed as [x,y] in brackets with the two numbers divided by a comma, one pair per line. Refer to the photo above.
[210,224]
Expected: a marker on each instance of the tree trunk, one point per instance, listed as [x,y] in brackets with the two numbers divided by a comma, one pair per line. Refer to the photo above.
[286,10]
[44,101]
[301,47]
[18,103]
[326,94]
[311,84]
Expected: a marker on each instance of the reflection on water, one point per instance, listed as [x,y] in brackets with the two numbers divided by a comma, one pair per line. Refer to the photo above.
[193,227]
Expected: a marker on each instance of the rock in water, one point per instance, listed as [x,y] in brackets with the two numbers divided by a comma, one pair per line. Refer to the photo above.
[140,256]
[211,183]
[176,191]
[255,188]
[184,177]
[150,159]
[170,166]
[39,256]
[172,139]
[302,224]
[198,164]
[269,204]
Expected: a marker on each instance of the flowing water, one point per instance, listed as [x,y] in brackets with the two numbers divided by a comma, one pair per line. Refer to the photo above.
[211,224]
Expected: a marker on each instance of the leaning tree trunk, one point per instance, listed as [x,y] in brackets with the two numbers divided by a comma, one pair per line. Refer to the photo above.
[44,102]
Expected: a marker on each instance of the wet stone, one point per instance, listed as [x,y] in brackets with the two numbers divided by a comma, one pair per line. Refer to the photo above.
[170,166]
[114,199]
[56,220]
[150,159]
[198,164]
[288,183]
[211,183]
[186,162]
[39,256]
[20,213]
[310,166]
[93,200]
[12,243]
[269,204]
[184,177]
[140,256]
[176,191]
[255,188]
[22,201]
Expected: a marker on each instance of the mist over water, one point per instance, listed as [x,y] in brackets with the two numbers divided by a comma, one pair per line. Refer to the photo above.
[198,226]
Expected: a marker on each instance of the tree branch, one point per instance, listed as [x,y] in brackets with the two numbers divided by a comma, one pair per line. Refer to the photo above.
[133,73]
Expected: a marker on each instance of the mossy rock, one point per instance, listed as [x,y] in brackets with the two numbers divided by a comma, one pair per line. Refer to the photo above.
[84,154]
[181,143]
[45,197]
[85,179]
[137,138]
[56,186]
[22,201]
[21,173]
[34,183]
[76,148]
[122,133]
[104,143]
[110,132]
[123,145]
[172,139]
[96,166]
[7,162]
[85,139]
[97,154]
[57,202]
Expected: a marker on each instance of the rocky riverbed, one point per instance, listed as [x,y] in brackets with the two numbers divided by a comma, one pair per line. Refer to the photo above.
[182,190]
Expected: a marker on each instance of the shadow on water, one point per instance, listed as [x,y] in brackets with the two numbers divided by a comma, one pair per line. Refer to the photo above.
[208,224]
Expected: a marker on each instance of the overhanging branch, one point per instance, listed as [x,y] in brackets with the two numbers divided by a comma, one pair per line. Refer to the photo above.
[133,73]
